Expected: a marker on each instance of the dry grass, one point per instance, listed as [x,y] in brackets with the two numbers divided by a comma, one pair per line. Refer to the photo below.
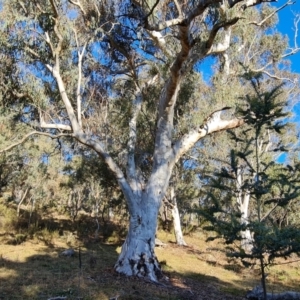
[34,269]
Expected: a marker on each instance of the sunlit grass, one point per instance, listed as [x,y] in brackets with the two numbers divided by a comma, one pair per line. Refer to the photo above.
[7,273]
[34,269]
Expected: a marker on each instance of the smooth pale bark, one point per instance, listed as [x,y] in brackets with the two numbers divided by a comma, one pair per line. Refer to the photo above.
[243,199]
[137,256]
[177,226]
[176,219]
[20,203]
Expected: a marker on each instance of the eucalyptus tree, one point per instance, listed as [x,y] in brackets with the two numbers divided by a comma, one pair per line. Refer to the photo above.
[91,71]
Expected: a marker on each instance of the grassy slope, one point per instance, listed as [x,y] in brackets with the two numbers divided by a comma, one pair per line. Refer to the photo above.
[34,269]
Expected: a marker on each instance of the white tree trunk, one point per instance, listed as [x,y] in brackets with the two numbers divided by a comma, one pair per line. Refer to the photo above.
[243,199]
[137,257]
[177,227]
[176,220]
[247,240]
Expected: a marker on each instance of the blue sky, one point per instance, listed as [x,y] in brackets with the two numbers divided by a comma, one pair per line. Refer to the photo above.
[286,26]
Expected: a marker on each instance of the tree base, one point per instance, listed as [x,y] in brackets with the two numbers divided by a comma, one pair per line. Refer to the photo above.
[139,260]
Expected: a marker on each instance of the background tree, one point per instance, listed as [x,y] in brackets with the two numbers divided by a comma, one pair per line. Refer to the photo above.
[78,66]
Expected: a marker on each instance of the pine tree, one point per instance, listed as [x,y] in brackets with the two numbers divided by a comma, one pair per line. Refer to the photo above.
[253,175]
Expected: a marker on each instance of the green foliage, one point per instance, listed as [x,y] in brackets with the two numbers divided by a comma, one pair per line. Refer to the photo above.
[91,188]
[8,216]
[251,170]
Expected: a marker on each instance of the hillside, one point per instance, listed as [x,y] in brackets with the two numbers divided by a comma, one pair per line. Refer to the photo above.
[31,266]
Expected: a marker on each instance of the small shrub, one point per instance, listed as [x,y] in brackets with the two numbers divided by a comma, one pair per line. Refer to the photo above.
[8,217]
[17,239]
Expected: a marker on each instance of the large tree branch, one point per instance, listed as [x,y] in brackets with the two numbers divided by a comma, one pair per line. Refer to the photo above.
[119,175]
[247,3]
[159,41]
[55,70]
[178,7]
[162,158]
[131,168]
[169,94]
[197,11]
[80,57]
[220,47]
[168,99]
[54,8]
[71,114]
[212,124]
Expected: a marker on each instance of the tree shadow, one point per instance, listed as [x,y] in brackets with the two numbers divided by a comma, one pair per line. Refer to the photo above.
[33,268]
[50,274]
[90,275]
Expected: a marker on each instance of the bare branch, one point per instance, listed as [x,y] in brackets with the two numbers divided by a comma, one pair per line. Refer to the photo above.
[96,145]
[54,8]
[57,50]
[45,125]
[178,8]
[137,105]
[226,64]
[291,52]
[78,4]
[296,22]
[23,6]
[199,9]
[277,77]
[163,25]
[152,9]
[27,136]
[64,96]
[80,56]
[273,13]
[169,96]
[47,39]
[270,211]
[32,52]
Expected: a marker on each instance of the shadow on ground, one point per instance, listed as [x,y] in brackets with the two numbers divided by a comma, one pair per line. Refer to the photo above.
[32,267]
[48,274]
[90,275]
